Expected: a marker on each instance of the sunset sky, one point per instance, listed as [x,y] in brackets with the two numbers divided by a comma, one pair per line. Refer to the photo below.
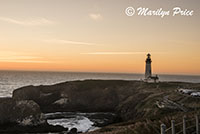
[97,36]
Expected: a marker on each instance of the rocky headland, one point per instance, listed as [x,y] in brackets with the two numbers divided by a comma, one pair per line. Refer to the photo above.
[140,107]
[23,116]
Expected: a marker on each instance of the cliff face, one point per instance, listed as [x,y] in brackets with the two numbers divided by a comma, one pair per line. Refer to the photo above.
[85,96]
[20,112]
[129,99]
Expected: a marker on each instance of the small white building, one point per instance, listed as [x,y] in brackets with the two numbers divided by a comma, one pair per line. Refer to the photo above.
[148,71]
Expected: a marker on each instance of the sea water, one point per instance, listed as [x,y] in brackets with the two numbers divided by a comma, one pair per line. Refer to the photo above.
[10,80]
[81,121]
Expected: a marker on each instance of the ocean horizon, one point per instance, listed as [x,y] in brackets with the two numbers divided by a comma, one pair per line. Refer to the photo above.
[11,80]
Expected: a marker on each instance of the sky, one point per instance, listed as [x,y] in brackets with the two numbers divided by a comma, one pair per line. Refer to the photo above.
[98,36]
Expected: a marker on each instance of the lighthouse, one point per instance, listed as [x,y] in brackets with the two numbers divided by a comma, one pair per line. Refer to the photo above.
[148,71]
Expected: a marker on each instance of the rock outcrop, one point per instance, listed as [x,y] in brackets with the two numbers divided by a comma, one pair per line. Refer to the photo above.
[18,116]
[23,112]
[85,96]
[73,131]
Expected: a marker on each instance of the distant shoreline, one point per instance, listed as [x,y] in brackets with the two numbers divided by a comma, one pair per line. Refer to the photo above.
[128,73]
[11,80]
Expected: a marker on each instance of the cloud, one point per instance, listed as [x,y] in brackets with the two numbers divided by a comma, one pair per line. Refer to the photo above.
[95,17]
[23,61]
[20,57]
[113,53]
[28,22]
[57,41]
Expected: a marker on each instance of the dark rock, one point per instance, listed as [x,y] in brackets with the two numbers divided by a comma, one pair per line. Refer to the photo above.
[40,96]
[44,128]
[84,96]
[103,119]
[23,116]
[24,112]
[73,131]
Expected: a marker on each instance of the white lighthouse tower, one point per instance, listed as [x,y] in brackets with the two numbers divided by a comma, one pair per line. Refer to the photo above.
[148,72]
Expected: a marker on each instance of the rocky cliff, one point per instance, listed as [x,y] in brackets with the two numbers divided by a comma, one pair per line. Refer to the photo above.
[129,99]
[24,112]
[23,116]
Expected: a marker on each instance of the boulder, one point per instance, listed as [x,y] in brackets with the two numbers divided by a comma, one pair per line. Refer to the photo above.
[24,116]
[24,112]
[73,131]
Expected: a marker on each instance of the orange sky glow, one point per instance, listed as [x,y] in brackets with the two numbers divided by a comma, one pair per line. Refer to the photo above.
[97,36]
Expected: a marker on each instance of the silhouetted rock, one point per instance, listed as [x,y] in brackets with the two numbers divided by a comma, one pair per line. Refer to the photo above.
[44,128]
[24,112]
[73,131]
[23,116]
[84,96]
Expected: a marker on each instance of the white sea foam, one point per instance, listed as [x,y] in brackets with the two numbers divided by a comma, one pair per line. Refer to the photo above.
[82,123]
[197,94]
[186,91]
[191,92]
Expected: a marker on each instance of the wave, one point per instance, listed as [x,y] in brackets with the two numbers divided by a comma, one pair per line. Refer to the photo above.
[83,124]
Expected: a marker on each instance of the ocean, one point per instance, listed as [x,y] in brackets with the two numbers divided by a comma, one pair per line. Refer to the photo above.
[11,80]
